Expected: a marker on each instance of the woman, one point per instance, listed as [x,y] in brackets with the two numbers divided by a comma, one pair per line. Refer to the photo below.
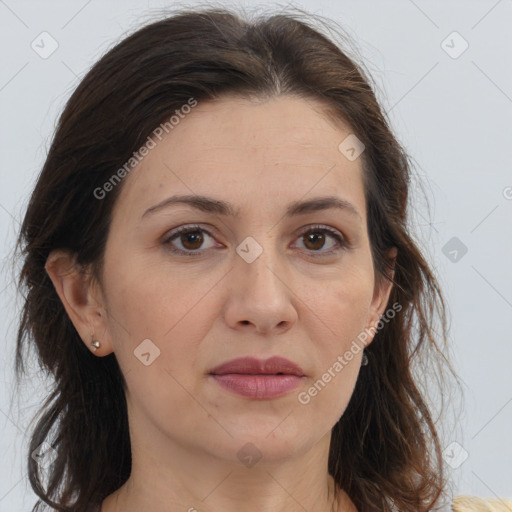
[220,278]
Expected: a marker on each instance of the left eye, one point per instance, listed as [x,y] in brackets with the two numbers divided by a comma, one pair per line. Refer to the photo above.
[317,235]
[192,238]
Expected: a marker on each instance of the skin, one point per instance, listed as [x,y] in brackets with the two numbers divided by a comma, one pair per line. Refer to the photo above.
[202,311]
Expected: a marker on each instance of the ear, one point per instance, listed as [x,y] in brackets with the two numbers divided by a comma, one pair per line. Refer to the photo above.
[380,298]
[82,299]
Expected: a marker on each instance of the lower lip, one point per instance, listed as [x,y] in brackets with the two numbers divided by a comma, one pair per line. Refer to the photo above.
[259,387]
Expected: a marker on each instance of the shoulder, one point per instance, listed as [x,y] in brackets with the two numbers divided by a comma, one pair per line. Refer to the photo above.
[475,504]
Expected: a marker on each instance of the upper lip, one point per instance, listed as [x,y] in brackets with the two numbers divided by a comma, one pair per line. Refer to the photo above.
[254,366]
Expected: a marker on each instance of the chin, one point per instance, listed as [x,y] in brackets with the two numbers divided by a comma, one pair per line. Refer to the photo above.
[268,444]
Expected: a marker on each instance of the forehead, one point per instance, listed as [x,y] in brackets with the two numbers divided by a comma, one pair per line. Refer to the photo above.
[246,148]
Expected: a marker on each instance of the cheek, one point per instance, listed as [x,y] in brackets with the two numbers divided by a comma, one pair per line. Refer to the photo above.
[174,313]
[342,305]
[340,314]
[150,300]
[340,317]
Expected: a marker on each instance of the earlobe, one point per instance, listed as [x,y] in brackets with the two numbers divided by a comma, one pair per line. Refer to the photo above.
[74,287]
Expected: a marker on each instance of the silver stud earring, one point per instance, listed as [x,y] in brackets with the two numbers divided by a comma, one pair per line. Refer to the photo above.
[364,359]
[95,343]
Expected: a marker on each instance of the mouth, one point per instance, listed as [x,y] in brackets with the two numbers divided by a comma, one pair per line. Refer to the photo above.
[251,366]
[259,379]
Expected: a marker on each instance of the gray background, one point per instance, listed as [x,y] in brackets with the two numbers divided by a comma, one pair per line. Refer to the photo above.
[452,112]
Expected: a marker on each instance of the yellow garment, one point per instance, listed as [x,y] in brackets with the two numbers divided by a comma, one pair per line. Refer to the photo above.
[474,504]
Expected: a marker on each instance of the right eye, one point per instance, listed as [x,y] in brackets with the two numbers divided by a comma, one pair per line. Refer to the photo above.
[191,238]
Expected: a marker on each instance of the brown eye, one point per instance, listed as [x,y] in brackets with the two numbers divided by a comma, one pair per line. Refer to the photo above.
[314,241]
[316,237]
[191,240]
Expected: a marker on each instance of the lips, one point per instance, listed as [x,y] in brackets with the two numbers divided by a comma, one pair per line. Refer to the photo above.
[251,366]
[258,379]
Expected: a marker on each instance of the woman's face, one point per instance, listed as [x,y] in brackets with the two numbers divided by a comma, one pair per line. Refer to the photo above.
[266,282]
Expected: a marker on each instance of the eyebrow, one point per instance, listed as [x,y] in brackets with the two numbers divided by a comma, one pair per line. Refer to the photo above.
[219,207]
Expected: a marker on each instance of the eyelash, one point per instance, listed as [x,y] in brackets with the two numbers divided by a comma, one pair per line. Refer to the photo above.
[342,242]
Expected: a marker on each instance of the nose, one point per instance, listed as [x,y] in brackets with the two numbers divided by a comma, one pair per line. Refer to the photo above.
[261,298]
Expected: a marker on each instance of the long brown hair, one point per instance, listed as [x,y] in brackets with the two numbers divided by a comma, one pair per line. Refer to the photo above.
[385,450]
